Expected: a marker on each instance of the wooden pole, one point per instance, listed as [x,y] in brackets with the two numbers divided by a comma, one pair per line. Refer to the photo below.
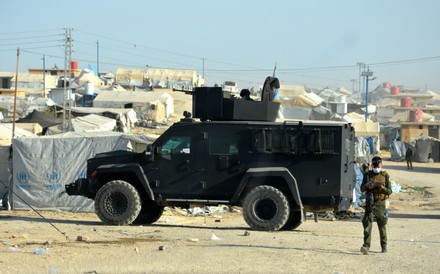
[15,95]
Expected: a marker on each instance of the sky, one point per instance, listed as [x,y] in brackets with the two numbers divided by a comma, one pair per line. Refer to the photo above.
[316,43]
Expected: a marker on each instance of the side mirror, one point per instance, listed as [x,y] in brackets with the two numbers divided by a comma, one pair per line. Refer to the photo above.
[151,151]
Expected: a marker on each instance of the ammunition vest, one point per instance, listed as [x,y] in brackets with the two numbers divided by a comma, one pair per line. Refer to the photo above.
[378,180]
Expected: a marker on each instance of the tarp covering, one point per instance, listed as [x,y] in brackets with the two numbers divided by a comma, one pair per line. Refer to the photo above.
[291,91]
[397,149]
[24,105]
[366,129]
[295,113]
[41,118]
[6,131]
[362,150]
[42,166]
[404,117]
[93,122]
[423,150]
[162,78]
[304,100]
[140,102]
[5,173]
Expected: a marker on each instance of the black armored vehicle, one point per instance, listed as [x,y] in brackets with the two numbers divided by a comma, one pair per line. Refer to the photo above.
[236,155]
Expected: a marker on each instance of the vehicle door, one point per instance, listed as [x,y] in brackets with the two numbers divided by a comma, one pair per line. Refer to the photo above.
[223,166]
[179,165]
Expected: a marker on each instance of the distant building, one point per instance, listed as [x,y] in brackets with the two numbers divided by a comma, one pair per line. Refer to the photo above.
[411,131]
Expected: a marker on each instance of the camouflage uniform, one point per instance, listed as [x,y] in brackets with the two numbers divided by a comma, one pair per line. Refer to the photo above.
[380,188]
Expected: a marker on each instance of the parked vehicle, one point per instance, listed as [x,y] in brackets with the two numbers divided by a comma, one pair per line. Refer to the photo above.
[230,86]
[275,171]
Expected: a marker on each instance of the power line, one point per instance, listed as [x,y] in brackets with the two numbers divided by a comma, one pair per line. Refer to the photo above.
[135,45]
[27,43]
[31,31]
[29,37]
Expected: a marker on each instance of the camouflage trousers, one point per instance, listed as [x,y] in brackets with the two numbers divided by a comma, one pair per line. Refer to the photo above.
[380,215]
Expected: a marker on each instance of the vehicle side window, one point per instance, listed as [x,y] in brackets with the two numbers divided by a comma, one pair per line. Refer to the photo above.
[177,145]
[225,145]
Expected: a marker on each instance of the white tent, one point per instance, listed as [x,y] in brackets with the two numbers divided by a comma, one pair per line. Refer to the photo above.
[6,131]
[44,165]
[128,115]
[159,78]
[137,100]
[93,122]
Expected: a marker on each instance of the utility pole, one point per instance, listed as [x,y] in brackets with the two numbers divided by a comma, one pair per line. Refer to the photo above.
[15,93]
[44,76]
[97,56]
[67,104]
[353,81]
[367,74]
[360,64]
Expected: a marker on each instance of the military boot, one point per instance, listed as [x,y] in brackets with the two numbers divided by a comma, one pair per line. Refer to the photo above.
[364,250]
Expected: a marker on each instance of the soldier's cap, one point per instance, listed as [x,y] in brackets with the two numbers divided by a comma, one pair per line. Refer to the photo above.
[376,160]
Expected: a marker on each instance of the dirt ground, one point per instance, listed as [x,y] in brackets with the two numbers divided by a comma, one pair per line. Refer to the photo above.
[223,243]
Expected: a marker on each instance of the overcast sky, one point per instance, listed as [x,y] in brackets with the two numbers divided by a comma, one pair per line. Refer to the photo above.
[316,43]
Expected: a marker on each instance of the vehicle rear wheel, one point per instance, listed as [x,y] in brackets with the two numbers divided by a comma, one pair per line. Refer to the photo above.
[117,203]
[149,215]
[294,221]
[266,208]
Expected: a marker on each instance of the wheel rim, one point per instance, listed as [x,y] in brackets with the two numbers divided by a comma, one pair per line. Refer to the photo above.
[116,203]
[266,209]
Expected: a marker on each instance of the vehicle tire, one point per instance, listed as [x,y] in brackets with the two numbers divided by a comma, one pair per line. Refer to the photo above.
[117,203]
[294,221]
[266,208]
[149,215]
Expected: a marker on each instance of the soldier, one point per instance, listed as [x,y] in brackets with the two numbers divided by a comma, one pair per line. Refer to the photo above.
[377,185]
[409,157]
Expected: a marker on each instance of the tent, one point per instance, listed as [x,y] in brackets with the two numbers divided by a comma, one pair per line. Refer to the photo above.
[404,117]
[128,115]
[41,118]
[423,150]
[139,101]
[397,149]
[303,100]
[295,113]
[159,78]
[6,131]
[43,165]
[93,122]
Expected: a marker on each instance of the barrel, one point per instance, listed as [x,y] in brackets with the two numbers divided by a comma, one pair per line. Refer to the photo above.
[405,102]
[415,115]
[90,88]
[74,65]
[395,90]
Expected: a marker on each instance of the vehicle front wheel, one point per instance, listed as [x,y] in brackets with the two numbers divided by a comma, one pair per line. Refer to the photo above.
[117,203]
[294,221]
[149,215]
[266,208]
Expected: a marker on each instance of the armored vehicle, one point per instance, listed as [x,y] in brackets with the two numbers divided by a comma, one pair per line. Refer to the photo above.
[275,171]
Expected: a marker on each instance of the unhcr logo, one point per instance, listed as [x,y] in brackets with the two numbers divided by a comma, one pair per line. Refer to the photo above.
[22,177]
[53,179]
[23,180]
